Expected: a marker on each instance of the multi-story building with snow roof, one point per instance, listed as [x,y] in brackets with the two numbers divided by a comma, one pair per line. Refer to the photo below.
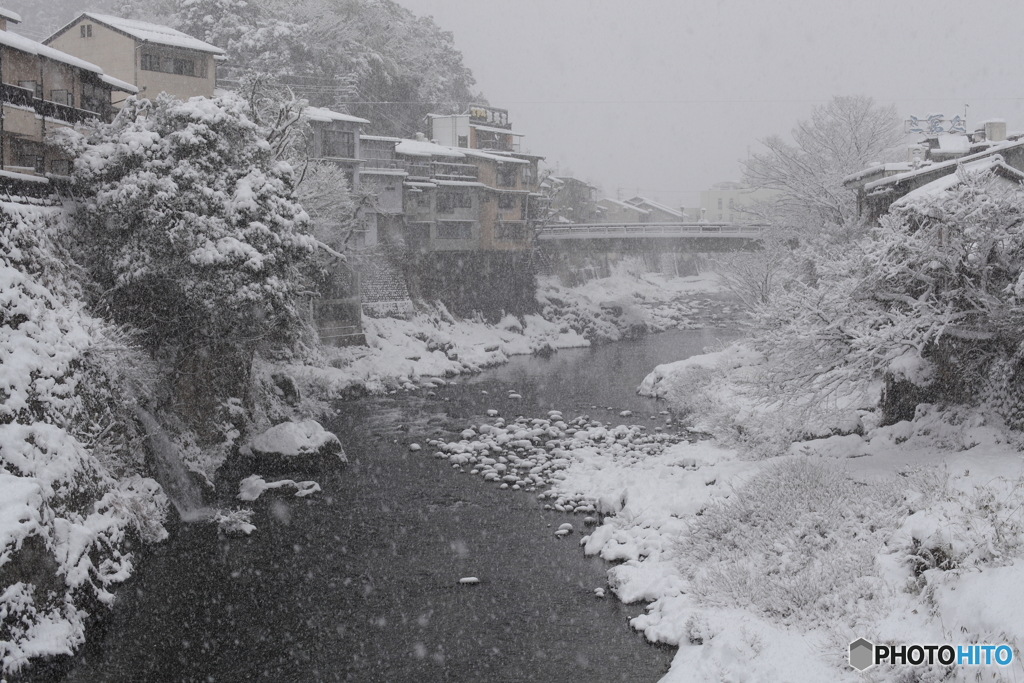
[880,185]
[153,58]
[336,137]
[43,88]
[381,177]
[482,127]
[468,199]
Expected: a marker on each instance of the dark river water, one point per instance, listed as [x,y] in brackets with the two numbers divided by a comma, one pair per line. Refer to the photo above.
[361,582]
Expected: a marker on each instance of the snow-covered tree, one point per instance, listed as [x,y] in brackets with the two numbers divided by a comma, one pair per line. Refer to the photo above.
[842,137]
[933,297]
[191,230]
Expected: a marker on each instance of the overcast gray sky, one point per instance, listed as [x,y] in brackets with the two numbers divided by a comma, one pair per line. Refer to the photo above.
[666,96]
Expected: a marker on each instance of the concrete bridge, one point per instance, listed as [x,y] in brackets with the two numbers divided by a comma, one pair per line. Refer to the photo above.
[650,236]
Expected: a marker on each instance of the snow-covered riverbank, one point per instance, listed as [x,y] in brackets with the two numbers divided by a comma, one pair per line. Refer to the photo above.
[405,354]
[766,568]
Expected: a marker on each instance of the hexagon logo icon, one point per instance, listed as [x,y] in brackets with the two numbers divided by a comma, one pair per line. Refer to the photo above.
[862,654]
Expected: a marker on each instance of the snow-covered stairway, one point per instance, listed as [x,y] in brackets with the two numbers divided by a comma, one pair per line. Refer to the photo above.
[383,288]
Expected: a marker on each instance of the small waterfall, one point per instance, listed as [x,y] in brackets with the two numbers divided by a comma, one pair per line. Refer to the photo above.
[171,472]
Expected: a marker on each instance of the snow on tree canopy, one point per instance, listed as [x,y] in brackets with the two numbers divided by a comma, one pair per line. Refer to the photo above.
[190,221]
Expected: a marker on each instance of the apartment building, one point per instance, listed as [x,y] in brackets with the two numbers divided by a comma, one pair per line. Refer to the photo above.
[43,89]
[152,58]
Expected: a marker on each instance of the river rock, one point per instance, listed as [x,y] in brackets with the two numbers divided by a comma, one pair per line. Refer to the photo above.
[297,445]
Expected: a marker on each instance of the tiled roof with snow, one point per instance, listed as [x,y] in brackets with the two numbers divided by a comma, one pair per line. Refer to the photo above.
[950,180]
[327,115]
[147,33]
[897,167]
[945,166]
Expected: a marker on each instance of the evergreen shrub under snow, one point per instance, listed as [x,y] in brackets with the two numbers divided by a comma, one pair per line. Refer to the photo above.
[192,235]
[66,520]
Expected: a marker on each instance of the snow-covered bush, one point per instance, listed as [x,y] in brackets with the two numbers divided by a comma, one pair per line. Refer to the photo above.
[192,235]
[66,515]
[797,542]
[940,282]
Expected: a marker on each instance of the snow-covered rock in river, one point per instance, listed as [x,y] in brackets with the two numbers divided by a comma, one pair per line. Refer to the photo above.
[253,486]
[292,445]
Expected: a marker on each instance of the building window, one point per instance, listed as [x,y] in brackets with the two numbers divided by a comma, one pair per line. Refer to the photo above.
[30,155]
[447,202]
[63,97]
[150,62]
[184,67]
[732,204]
[508,201]
[464,141]
[510,232]
[339,144]
[86,30]
[35,87]
[506,175]
[172,65]
[454,230]
[94,98]
[719,204]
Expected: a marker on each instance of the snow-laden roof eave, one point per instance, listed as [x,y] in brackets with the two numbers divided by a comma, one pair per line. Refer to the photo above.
[29,46]
[458,183]
[951,164]
[9,15]
[493,157]
[994,163]
[13,175]
[382,171]
[421,148]
[145,32]
[659,207]
[324,115]
[623,205]
[119,84]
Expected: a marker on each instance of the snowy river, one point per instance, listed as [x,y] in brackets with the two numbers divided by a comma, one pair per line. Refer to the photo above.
[361,582]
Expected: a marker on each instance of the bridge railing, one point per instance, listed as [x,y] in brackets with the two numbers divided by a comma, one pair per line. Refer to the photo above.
[639,230]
